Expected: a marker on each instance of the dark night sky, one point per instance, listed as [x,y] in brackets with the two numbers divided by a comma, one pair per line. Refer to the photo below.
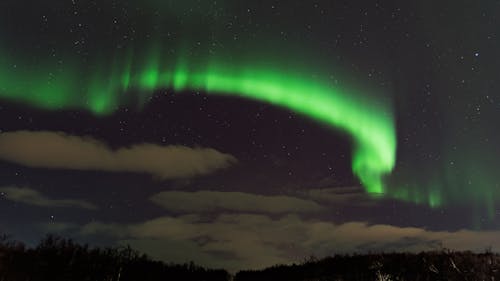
[237,183]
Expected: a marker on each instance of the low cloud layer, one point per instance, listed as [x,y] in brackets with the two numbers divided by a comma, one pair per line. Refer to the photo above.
[235,230]
[253,241]
[60,151]
[211,201]
[32,197]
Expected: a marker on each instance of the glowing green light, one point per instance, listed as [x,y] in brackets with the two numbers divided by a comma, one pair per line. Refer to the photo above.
[371,125]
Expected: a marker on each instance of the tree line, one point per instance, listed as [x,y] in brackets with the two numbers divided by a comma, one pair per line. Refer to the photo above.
[425,266]
[58,259]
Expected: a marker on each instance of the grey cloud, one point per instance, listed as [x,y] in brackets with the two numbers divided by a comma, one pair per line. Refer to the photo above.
[251,241]
[61,151]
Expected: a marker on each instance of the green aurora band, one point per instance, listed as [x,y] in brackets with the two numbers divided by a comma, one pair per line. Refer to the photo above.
[370,124]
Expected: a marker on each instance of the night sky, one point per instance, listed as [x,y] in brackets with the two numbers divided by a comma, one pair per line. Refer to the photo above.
[242,134]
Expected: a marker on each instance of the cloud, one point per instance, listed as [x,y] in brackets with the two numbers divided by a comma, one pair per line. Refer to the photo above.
[252,241]
[35,198]
[58,150]
[352,196]
[211,201]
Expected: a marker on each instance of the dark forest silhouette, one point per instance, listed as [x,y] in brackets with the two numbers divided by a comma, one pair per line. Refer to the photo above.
[425,266]
[58,259]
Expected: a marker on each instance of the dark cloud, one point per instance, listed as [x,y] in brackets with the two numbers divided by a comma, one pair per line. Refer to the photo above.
[351,195]
[35,198]
[210,201]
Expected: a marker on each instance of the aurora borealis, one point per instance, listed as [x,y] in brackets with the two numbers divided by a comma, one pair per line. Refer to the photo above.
[340,113]
[370,125]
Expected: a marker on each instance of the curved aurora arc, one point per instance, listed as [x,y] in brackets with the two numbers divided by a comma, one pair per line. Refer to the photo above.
[370,125]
